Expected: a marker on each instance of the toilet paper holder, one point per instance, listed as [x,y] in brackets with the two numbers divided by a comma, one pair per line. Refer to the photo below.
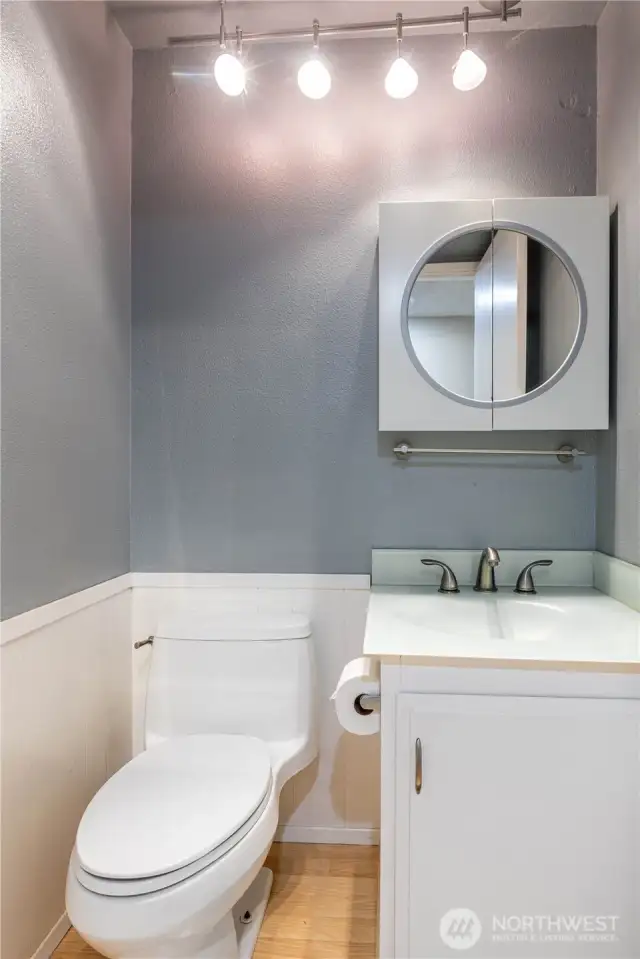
[367,703]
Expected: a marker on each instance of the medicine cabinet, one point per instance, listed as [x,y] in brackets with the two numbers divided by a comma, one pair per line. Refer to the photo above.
[494,315]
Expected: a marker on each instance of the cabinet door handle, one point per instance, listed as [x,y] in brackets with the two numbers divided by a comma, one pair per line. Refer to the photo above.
[418,766]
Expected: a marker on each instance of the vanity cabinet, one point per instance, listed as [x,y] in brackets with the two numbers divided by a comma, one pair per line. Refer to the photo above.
[510,817]
[493,314]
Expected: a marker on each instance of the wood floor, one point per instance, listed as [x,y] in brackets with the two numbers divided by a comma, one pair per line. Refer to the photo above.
[323,905]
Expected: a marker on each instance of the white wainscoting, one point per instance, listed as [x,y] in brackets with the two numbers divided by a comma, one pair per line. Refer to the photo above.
[66,727]
[337,798]
[73,705]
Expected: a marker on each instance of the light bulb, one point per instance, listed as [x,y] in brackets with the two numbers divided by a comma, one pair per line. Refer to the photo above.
[401,80]
[469,71]
[314,79]
[230,74]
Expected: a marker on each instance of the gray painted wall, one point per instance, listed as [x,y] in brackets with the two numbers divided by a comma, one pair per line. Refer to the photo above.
[619,177]
[66,78]
[254,308]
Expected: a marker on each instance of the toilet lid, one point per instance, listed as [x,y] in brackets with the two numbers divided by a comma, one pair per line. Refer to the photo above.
[173,804]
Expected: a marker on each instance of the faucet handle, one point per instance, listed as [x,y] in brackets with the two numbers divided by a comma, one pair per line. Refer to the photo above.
[524,583]
[448,583]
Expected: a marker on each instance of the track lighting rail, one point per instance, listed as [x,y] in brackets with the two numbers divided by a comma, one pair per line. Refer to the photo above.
[344,29]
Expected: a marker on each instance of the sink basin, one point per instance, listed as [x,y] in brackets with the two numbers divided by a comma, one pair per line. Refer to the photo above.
[457,614]
[557,626]
[524,620]
[587,617]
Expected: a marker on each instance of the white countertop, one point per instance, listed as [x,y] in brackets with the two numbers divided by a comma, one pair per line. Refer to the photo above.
[559,628]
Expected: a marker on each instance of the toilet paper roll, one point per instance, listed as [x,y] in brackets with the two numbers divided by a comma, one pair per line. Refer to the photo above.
[359,676]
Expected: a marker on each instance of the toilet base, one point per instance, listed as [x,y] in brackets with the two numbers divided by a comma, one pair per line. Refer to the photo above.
[232,938]
[254,902]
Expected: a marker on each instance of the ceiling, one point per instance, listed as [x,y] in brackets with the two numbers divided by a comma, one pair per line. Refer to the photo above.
[148,23]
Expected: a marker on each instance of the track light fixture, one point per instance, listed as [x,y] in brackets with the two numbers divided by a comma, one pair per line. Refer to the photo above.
[470,70]
[228,69]
[314,78]
[401,80]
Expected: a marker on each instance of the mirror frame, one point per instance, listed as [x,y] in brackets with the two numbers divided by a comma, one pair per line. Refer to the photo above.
[578,285]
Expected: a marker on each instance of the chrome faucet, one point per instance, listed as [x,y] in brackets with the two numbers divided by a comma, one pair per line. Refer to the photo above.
[486,579]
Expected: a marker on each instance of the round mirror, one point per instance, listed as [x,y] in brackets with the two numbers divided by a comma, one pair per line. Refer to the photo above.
[492,315]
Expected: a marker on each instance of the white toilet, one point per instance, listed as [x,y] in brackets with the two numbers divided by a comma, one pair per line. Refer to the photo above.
[168,856]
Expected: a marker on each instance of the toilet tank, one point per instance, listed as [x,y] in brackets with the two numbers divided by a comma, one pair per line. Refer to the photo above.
[242,674]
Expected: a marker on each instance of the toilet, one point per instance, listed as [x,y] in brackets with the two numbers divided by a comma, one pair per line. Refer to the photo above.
[168,858]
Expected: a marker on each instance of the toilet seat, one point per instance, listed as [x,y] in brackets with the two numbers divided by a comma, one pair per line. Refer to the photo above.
[140,887]
[170,812]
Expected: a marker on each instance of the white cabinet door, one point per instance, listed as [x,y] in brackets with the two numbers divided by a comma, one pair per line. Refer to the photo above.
[520,834]
[578,398]
[408,402]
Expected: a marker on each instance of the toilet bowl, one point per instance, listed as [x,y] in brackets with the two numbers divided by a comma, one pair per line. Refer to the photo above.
[168,859]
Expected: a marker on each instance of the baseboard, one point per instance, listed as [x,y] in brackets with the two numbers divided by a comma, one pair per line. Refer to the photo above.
[336,835]
[618,579]
[53,939]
